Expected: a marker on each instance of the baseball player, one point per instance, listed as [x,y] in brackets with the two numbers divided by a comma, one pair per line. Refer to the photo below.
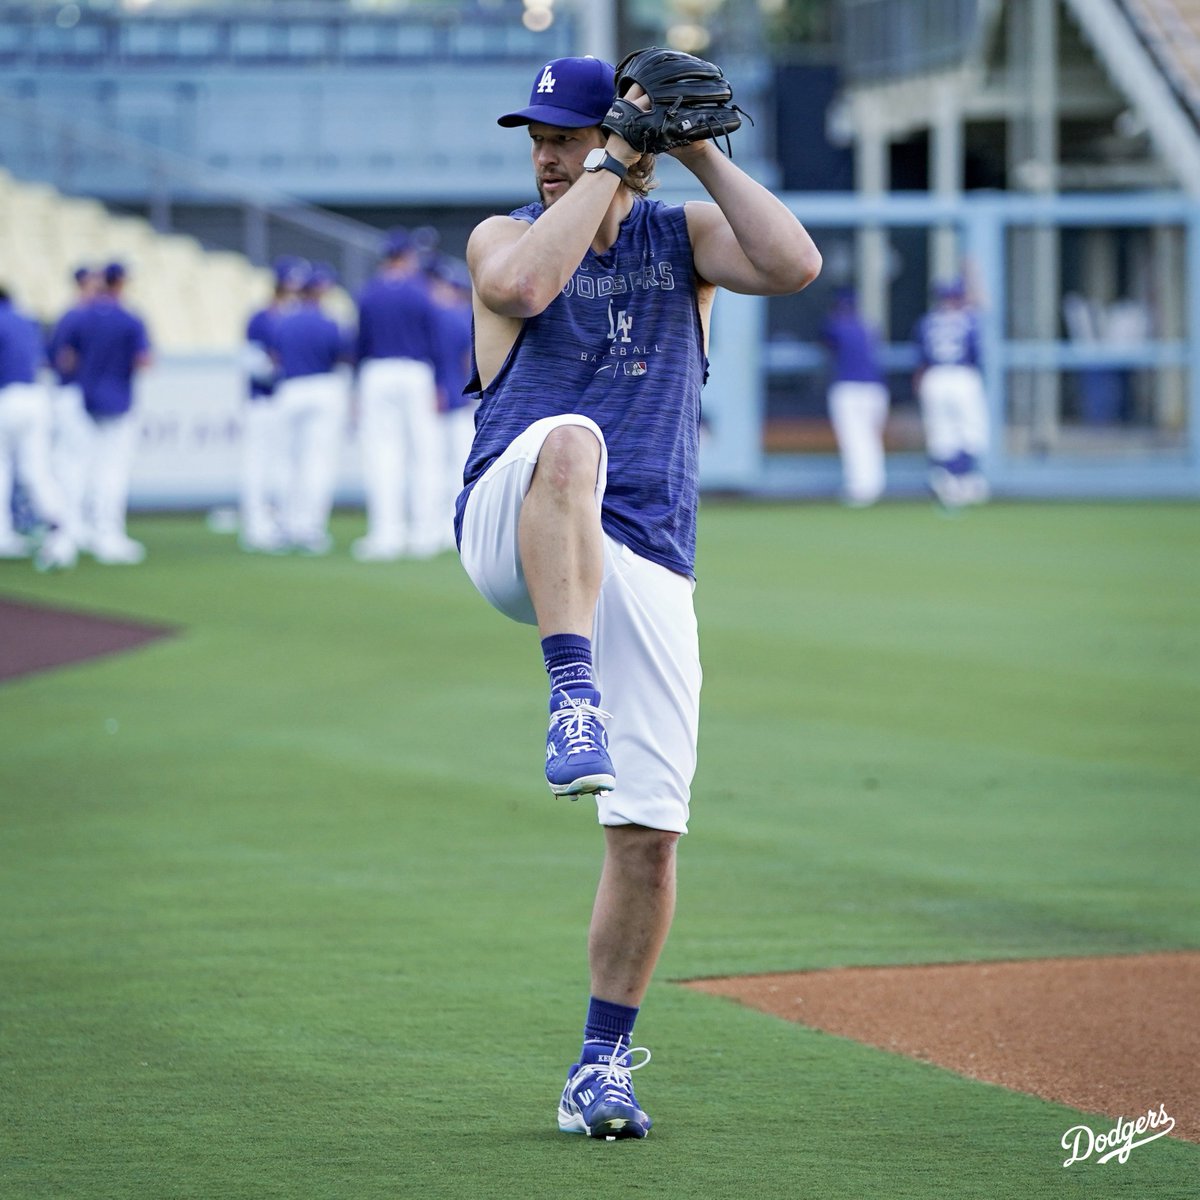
[25,439]
[69,433]
[104,349]
[450,282]
[950,391]
[858,400]
[313,398]
[261,446]
[578,513]
[398,410]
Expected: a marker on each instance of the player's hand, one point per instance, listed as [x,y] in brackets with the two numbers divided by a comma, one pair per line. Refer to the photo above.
[616,145]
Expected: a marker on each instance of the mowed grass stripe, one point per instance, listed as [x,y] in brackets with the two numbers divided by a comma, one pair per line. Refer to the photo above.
[287,910]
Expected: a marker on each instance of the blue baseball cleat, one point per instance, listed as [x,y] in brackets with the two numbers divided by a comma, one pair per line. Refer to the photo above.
[577,761]
[598,1099]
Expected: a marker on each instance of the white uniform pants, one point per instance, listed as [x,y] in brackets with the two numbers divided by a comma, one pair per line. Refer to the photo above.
[312,413]
[263,474]
[645,647]
[402,454]
[954,413]
[70,439]
[112,442]
[858,412]
[25,453]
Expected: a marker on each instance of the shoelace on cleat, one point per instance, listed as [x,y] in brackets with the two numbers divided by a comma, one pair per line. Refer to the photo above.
[577,725]
[615,1076]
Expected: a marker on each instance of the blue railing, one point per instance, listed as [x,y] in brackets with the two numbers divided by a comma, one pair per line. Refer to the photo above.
[50,36]
[881,39]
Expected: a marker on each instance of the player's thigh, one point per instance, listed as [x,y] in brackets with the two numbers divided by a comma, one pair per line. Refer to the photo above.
[647,657]
[490,551]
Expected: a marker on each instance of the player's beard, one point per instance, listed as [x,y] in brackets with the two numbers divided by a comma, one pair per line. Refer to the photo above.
[546,202]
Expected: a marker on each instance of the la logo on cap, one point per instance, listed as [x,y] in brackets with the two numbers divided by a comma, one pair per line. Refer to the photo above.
[546,83]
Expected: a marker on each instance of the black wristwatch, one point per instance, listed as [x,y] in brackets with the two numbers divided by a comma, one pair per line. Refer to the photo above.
[600,160]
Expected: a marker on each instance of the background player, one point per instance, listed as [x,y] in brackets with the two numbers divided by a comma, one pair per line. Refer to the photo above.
[69,425]
[25,439]
[399,428]
[578,515]
[950,390]
[313,398]
[858,399]
[450,282]
[262,445]
[105,348]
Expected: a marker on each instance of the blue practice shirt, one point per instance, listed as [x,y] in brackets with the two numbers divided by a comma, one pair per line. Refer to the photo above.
[622,343]
[396,318]
[452,352]
[60,337]
[854,348]
[261,331]
[21,352]
[948,337]
[109,340]
[307,342]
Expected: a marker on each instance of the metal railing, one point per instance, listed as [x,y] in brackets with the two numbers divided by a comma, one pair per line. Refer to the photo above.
[888,39]
[52,148]
[280,34]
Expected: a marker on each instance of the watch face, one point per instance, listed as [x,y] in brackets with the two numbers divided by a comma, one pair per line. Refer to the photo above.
[594,159]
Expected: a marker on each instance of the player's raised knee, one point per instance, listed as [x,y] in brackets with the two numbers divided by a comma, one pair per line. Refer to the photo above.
[569,458]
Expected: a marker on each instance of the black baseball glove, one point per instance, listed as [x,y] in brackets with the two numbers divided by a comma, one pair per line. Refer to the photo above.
[691,99]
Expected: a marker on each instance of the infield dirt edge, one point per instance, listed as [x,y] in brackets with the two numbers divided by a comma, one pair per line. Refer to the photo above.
[1111,1035]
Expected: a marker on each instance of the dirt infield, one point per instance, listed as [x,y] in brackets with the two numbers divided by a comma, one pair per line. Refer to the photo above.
[36,638]
[1112,1035]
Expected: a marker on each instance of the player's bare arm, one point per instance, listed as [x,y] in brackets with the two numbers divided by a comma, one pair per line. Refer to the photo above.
[748,241]
[518,268]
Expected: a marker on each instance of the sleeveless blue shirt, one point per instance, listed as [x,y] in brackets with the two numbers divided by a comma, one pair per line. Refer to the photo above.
[622,343]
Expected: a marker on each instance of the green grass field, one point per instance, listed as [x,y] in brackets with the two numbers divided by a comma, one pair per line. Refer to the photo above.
[287,911]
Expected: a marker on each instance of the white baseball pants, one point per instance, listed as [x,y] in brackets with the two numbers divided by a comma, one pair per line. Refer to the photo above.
[645,646]
[263,474]
[25,453]
[312,414]
[954,412]
[402,454]
[70,439]
[858,413]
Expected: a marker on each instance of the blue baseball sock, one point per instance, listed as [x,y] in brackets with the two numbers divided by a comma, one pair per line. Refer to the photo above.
[568,661]
[608,1022]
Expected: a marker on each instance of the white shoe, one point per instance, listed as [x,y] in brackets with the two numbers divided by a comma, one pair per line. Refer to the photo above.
[975,489]
[369,549]
[118,551]
[316,546]
[272,543]
[427,549]
[56,553]
[13,546]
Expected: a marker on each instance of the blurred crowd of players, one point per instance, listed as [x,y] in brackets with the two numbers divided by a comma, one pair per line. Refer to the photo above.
[69,431]
[949,385]
[397,376]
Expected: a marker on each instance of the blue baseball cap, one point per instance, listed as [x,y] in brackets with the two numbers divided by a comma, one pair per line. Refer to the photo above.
[290,270]
[452,271]
[397,242]
[320,275]
[569,92]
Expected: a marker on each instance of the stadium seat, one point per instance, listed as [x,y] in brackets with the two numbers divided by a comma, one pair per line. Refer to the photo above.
[193,300]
